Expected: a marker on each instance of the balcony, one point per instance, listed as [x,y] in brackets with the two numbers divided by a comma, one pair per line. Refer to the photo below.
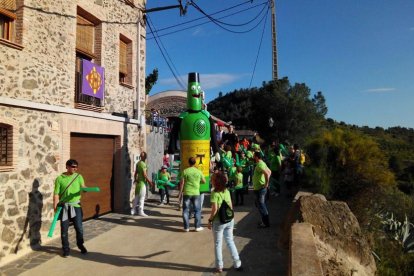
[83,101]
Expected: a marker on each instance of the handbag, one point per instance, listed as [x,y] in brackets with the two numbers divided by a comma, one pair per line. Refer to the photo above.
[226,214]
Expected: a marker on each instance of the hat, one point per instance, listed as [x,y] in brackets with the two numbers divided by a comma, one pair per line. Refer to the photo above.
[164,167]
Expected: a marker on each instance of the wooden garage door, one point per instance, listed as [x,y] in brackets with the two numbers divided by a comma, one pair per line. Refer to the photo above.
[95,155]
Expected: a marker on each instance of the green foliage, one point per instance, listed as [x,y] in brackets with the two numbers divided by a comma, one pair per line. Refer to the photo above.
[403,232]
[366,206]
[294,114]
[352,161]
[151,80]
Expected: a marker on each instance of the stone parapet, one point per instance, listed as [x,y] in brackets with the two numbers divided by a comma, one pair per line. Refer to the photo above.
[303,254]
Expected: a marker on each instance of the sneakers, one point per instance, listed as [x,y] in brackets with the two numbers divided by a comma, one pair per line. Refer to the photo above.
[83,249]
[262,225]
[65,254]
[142,214]
[237,265]
[186,230]
[198,229]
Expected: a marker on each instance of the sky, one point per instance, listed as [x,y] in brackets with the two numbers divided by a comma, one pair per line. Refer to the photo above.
[358,53]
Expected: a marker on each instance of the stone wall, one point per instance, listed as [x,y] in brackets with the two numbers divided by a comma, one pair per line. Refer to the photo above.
[333,242]
[26,191]
[39,77]
[43,71]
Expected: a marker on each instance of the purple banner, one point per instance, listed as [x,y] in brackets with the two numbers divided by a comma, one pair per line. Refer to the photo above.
[93,79]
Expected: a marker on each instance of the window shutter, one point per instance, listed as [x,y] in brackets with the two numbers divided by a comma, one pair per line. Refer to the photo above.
[8,4]
[123,64]
[85,33]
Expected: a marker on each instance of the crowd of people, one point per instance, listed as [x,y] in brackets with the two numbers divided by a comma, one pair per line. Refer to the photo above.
[243,165]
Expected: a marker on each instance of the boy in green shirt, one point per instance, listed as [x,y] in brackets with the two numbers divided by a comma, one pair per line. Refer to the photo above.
[67,193]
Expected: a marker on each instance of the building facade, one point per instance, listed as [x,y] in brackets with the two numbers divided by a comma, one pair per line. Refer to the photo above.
[72,85]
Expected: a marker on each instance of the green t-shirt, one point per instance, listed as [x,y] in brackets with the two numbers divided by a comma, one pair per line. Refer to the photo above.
[229,155]
[192,177]
[140,169]
[218,197]
[259,179]
[164,177]
[73,193]
[275,163]
[238,181]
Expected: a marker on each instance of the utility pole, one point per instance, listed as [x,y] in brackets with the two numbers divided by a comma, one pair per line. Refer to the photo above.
[274,44]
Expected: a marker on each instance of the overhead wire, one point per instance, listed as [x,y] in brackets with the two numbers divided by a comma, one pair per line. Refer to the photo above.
[225,28]
[209,21]
[260,46]
[158,42]
[166,52]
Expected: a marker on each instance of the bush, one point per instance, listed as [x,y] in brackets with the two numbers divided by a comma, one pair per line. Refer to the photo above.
[348,161]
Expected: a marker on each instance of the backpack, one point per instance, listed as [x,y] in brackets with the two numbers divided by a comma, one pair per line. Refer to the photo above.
[225,213]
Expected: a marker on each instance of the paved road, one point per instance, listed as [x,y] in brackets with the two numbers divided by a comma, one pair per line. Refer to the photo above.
[131,245]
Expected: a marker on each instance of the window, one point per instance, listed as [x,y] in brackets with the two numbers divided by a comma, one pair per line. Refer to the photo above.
[88,46]
[7,19]
[6,145]
[125,60]
[85,37]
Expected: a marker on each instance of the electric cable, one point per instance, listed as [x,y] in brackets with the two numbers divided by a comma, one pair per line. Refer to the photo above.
[166,52]
[260,46]
[240,24]
[163,55]
[203,23]
[218,24]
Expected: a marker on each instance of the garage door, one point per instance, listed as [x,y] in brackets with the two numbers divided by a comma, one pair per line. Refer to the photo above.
[95,155]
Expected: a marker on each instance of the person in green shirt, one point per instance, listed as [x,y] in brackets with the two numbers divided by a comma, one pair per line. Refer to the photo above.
[140,179]
[275,160]
[190,193]
[220,194]
[261,177]
[238,186]
[163,188]
[67,192]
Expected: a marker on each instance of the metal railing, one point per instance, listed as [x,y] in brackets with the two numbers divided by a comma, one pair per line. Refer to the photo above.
[157,122]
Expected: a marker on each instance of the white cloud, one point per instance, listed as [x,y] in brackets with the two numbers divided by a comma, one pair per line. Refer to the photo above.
[197,31]
[380,90]
[207,81]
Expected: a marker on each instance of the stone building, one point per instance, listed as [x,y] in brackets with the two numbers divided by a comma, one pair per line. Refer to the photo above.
[72,77]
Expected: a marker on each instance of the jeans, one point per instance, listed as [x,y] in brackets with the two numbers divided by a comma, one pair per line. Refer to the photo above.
[238,193]
[64,227]
[226,230]
[164,192]
[261,202]
[194,201]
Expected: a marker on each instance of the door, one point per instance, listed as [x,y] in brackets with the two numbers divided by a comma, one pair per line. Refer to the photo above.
[95,155]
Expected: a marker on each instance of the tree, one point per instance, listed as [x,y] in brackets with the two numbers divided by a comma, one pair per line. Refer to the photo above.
[151,80]
[351,160]
[320,103]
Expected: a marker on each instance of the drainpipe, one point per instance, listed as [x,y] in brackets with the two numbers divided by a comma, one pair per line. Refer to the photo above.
[138,69]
